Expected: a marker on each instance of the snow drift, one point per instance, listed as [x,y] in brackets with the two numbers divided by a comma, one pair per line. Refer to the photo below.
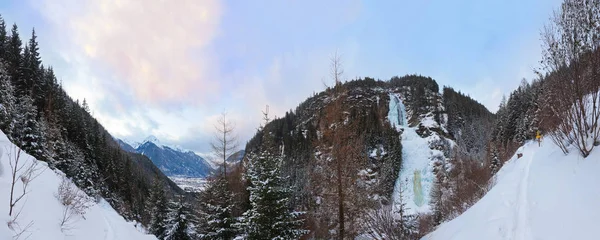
[542,195]
[42,209]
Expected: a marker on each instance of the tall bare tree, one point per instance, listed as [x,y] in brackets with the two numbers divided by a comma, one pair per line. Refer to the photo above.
[225,141]
[341,156]
[336,68]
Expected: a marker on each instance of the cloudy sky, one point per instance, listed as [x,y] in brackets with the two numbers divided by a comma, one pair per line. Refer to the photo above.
[168,68]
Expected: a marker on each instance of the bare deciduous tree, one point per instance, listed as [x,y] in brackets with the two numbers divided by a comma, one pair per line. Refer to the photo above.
[336,174]
[23,171]
[75,203]
[336,68]
[225,141]
[390,222]
[571,52]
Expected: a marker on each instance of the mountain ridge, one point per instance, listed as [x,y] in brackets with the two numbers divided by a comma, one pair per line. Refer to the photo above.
[172,161]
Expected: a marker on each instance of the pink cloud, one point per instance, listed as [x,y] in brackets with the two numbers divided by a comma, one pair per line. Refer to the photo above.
[158,48]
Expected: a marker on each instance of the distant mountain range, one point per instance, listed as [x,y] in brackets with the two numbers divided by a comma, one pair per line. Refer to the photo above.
[172,161]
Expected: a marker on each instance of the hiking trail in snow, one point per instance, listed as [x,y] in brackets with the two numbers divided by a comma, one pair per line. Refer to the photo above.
[545,194]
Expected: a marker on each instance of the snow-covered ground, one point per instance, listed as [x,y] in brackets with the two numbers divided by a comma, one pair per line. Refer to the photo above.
[189,184]
[41,208]
[543,195]
[416,174]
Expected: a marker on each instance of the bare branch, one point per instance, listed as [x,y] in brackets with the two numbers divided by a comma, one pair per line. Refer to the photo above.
[75,203]
[225,141]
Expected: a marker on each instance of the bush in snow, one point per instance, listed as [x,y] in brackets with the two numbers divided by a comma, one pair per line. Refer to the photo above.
[75,203]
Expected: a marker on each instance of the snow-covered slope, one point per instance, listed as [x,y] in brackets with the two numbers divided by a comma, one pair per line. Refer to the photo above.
[41,208]
[543,195]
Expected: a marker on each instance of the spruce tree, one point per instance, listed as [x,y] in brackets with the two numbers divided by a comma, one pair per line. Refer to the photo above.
[33,67]
[7,102]
[270,216]
[159,211]
[3,39]
[29,135]
[14,58]
[495,161]
[216,210]
[182,226]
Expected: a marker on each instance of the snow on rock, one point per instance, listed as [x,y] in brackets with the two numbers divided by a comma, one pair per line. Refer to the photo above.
[41,208]
[542,195]
[416,173]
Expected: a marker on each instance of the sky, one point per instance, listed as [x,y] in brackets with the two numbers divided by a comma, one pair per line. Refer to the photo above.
[170,68]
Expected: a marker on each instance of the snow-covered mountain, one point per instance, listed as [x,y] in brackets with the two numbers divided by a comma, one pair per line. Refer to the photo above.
[172,161]
[41,208]
[542,195]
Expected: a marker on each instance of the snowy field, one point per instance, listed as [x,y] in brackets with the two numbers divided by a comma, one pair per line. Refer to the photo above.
[41,208]
[189,184]
[543,195]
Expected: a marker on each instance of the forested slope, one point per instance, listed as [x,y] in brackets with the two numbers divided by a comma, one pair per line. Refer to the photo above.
[38,116]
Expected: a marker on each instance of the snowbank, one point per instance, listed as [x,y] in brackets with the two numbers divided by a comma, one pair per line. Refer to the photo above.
[41,208]
[542,195]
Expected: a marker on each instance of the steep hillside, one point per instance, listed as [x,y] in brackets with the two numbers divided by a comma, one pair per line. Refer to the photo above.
[41,208]
[388,135]
[125,146]
[542,195]
[42,119]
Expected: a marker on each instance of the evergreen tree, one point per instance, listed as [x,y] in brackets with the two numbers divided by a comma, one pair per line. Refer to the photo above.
[28,132]
[495,161]
[14,59]
[3,40]
[182,226]
[270,216]
[34,69]
[159,222]
[7,102]
[216,210]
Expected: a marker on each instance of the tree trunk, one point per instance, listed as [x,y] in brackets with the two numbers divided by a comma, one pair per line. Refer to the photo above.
[340,189]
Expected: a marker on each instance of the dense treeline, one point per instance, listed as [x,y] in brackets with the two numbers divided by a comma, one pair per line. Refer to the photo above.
[469,122]
[563,103]
[366,134]
[421,95]
[38,116]
[348,123]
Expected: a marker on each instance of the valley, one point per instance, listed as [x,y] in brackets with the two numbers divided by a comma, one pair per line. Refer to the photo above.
[383,120]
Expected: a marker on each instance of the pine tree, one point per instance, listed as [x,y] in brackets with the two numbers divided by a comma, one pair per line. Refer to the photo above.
[33,67]
[181,224]
[495,161]
[159,211]
[3,40]
[7,102]
[28,132]
[216,210]
[438,191]
[405,223]
[270,216]
[14,59]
